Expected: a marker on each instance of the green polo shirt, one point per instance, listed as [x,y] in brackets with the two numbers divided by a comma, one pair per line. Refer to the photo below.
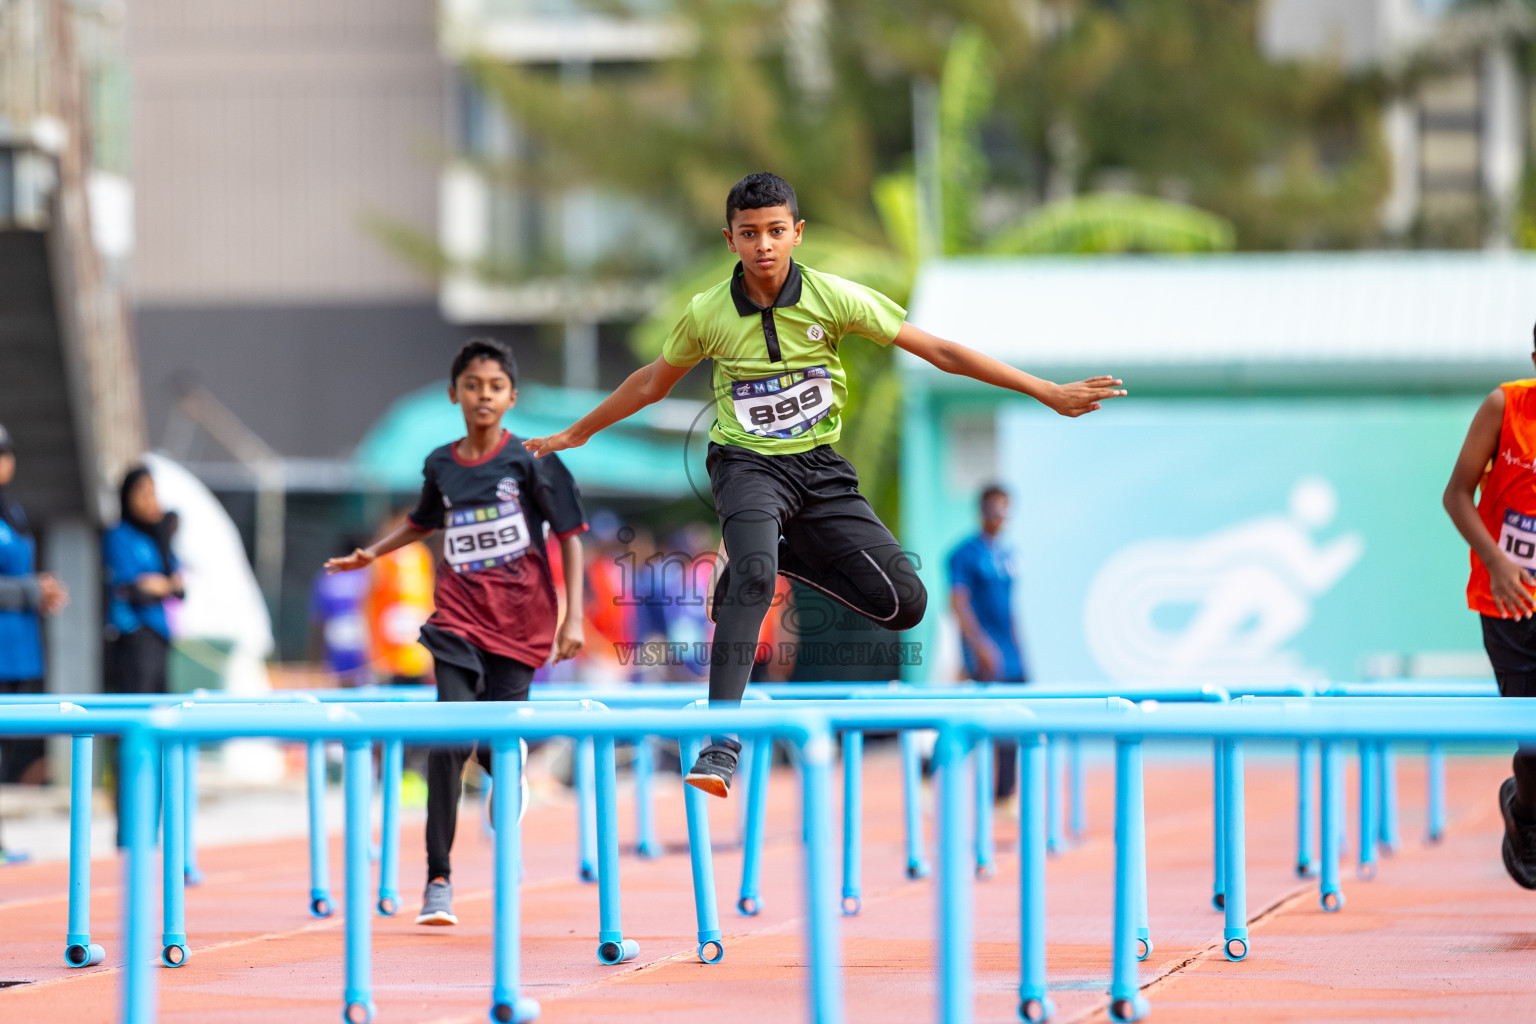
[778,380]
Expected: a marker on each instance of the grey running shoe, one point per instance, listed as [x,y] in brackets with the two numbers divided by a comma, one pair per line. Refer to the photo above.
[716,766]
[437,904]
[1519,838]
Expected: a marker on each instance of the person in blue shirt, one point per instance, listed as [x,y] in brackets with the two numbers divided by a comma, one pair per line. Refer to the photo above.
[337,626]
[140,573]
[25,594]
[981,594]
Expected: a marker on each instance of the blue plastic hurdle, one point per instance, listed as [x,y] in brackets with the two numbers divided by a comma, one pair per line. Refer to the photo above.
[366,724]
[178,797]
[756,758]
[320,901]
[917,864]
[961,726]
[1229,726]
[138,763]
[1386,818]
[1297,720]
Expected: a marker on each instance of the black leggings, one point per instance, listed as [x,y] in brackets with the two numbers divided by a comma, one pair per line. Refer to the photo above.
[879,583]
[505,679]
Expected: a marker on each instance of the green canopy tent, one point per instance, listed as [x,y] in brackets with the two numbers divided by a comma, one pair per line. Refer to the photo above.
[644,456]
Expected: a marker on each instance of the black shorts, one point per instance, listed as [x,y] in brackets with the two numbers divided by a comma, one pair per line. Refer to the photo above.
[814,496]
[1511,647]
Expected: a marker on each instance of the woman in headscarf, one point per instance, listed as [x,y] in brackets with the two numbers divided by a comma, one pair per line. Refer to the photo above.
[140,574]
[25,594]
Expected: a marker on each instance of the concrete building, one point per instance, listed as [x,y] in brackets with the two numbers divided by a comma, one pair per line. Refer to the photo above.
[1458,127]
[271,144]
[525,254]
[276,150]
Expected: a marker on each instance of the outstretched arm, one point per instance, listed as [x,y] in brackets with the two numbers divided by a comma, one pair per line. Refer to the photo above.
[570,639]
[395,539]
[646,385]
[1509,584]
[1068,399]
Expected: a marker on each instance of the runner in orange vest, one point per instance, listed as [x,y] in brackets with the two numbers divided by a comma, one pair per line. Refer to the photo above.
[1499,457]
[399,602]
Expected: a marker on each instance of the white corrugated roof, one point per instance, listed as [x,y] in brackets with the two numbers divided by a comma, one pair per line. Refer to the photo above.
[1403,309]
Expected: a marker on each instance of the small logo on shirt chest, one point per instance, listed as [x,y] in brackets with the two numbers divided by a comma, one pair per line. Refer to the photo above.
[815,333]
[506,489]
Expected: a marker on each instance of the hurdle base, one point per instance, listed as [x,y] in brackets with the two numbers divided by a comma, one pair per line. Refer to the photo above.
[173,952]
[80,951]
[612,951]
[1035,1007]
[1129,1008]
[711,947]
[518,1011]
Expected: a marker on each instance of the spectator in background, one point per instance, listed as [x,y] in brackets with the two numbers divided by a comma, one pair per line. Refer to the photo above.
[981,594]
[683,579]
[25,594]
[140,574]
[398,604]
[650,619]
[611,604]
[338,632]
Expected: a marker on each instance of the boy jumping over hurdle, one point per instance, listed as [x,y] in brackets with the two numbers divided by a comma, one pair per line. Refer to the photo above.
[789,504]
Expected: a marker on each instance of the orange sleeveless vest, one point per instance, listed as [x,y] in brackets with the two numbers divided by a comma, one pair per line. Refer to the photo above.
[1507,504]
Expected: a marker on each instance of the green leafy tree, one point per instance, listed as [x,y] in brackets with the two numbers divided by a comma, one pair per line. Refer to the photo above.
[1039,101]
[1175,95]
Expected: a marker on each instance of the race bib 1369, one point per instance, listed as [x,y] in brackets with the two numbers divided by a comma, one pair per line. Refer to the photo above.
[485,537]
[784,406]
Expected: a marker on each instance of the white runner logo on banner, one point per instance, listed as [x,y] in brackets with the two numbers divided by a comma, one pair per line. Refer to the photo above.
[1223,606]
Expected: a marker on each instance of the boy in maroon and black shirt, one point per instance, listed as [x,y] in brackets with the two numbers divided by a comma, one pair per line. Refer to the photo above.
[495,594]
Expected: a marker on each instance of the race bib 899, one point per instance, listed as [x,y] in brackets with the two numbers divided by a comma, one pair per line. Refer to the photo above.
[485,537]
[784,406]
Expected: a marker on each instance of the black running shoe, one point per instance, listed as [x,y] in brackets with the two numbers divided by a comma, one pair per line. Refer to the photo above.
[716,765]
[1519,838]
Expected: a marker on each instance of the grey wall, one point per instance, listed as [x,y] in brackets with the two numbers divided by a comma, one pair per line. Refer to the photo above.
[264,133]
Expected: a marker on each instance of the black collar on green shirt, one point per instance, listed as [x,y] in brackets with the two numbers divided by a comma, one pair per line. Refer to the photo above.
[789,295]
